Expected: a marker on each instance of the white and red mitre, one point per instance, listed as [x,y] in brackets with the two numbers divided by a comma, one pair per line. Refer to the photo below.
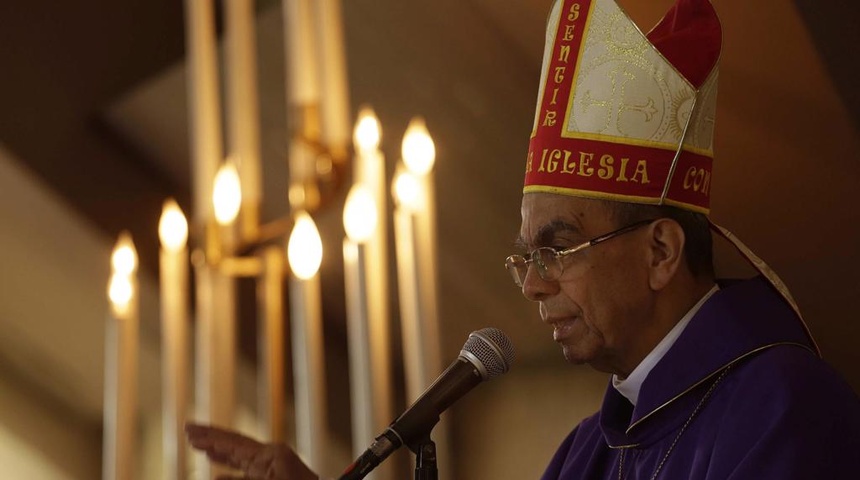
[622,115]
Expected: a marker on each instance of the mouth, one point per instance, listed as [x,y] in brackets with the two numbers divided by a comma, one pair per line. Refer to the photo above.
[562,328]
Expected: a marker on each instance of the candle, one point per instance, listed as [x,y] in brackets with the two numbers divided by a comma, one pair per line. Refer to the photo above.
[271,341]
[369,169]
[216,309]
[121,350]
[415,233]
[303,97]
[205,110]
[334,104]
[359,221]
[419,154]
[242,104]
[173,233]
[369,174]
[214,294]
[302,84]
[215,355]
[409,196]
[304,251]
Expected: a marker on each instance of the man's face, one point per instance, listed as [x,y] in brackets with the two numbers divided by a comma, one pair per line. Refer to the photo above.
[601,305]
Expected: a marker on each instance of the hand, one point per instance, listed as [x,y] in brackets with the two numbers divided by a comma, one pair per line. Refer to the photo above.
[257,461]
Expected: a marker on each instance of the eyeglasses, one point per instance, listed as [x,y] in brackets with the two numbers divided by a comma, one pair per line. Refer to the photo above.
[548,259]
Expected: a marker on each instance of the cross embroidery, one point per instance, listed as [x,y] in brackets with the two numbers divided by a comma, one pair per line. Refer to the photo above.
[614,106]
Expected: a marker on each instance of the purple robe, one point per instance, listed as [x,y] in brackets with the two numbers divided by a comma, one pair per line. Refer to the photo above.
[740,395]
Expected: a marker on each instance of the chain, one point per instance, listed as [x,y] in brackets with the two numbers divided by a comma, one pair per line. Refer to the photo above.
[681,432]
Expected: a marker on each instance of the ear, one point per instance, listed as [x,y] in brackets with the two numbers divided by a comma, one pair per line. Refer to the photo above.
[666,252]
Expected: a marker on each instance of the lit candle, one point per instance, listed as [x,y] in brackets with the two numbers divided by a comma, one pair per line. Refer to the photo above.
[304,251]
[173,233]
[419,154]
[370,174]
[416,257]
[359,221]
[369,162]
[121,350]
[214,335]
[369,171]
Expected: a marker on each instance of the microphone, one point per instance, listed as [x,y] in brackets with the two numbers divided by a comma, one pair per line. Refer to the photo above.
[487,353]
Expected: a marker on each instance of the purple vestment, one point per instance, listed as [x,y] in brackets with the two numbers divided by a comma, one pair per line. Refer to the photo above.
[740,395]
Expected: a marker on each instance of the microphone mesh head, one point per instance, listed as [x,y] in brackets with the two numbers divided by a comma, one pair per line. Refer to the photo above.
[492,349]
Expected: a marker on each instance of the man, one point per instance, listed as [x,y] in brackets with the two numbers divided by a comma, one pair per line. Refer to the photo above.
[709,382]
[710,379]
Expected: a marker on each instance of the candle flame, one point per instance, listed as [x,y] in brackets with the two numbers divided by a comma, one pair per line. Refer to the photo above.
[227,194]
[120,292]
[360,215]
[124,257]
[408,191]
[368,132]
[172,228]
[304,249]
[418,149]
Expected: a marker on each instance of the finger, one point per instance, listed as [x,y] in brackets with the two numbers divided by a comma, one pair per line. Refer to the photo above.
[231,477]
[202,436]
[263,463]
[223,446]
[197,432]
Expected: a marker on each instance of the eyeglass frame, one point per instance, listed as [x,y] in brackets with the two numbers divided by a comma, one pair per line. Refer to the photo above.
[534,256]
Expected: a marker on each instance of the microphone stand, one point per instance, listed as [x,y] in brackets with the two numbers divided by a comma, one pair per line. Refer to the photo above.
[425,459]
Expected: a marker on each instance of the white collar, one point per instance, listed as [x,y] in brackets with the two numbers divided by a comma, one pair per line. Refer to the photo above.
[630,386]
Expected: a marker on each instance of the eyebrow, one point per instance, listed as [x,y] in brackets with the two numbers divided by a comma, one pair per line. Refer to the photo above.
[547,233]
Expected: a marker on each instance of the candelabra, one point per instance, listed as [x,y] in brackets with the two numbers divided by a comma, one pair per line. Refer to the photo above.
[228,241]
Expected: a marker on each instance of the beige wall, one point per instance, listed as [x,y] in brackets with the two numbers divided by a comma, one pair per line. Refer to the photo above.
[510,427]
[41,442]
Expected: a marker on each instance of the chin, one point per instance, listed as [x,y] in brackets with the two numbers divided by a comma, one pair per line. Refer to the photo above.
[573,357]
[590,358]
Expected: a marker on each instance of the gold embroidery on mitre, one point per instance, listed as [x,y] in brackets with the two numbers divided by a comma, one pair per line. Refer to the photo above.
[604,82]
[549,46]
[627,92]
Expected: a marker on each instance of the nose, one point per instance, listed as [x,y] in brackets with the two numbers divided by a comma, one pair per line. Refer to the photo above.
[536,288]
